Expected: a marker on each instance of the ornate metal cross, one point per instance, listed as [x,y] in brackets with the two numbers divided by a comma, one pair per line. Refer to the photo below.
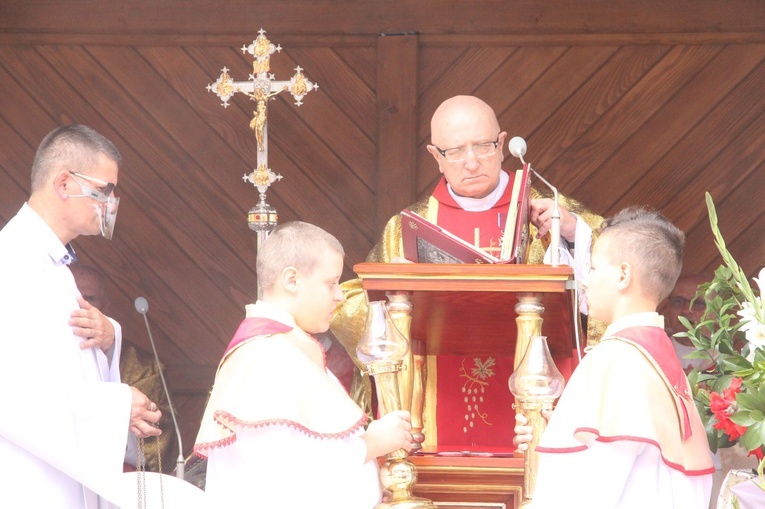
[261,87]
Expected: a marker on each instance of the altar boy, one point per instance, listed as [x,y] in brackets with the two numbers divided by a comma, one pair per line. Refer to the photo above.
[626,433]
[279,429]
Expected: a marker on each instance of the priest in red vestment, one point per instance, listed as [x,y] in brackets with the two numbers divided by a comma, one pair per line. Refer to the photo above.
[473,407]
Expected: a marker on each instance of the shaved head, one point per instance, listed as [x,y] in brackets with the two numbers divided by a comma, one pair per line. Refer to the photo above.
[463,122]
[457,113]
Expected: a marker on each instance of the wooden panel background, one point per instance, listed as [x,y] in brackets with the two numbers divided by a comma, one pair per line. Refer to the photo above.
[649,103]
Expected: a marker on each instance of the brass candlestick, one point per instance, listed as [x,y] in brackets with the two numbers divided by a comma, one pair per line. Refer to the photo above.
[382,348]
[535,383]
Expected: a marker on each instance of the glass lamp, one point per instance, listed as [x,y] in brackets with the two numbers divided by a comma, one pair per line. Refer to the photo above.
[382,349]
[535,383]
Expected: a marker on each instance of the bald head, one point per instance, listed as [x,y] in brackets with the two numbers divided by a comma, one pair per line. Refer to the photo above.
[464,122]
[462,114]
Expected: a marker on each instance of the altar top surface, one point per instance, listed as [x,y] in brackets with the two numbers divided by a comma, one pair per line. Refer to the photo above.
[470,309]
[463,277]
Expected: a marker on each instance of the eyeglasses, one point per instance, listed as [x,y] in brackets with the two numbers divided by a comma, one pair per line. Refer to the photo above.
[454,155]
[678,302]
[101,195]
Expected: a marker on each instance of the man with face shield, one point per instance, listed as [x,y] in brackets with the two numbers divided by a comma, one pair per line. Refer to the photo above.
[106,210]
[64,422]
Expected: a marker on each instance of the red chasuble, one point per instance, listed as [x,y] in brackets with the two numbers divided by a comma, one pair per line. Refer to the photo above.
[474,407]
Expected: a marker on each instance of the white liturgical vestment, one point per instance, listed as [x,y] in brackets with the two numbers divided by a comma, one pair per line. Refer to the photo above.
[279,429]
[625,433]
[63,424]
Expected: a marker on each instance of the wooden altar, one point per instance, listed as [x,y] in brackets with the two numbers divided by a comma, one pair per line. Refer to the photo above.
[470,310]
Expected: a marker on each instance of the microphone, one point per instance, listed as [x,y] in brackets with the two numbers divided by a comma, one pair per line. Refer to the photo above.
[142,306]
[517,148]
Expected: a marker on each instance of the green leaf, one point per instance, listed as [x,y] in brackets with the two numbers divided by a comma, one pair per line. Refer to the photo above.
[722,383]
[761,437]
[686,323]
[737,363]
[743,418]
[751,439]
[745,400]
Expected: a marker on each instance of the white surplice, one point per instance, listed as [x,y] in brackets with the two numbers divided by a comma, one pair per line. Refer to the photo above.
[600,455]
[279,459]
[63,417]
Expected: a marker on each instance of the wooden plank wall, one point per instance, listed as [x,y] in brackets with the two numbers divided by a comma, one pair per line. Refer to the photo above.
[650,103]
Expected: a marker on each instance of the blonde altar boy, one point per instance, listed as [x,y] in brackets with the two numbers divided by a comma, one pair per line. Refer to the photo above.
[626,433]
[279,430]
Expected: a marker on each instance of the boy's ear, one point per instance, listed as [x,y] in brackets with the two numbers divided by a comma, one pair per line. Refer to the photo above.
[289,279]
[626,275]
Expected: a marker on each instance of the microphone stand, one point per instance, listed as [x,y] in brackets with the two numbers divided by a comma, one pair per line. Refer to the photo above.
[555,226]
[142,306]
[517,146]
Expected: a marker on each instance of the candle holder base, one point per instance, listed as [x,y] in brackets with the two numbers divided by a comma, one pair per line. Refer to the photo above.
[398,476]
[411,503]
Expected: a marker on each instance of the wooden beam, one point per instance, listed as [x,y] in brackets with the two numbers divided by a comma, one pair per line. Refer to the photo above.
[356,17]
[397,125]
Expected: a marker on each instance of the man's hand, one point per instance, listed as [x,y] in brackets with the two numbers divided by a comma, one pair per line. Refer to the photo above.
[144,416]
[92,325]
[541,217]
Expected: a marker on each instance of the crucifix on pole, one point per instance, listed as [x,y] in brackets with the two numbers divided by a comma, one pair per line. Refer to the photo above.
[261,87]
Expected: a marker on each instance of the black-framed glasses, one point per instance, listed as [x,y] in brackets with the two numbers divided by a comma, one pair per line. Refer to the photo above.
[101,195]
[457,154]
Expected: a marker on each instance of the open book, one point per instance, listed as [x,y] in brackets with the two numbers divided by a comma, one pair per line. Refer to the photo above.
[426,242]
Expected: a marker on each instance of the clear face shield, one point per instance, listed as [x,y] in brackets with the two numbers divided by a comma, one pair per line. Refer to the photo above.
[106,209]
[107,216]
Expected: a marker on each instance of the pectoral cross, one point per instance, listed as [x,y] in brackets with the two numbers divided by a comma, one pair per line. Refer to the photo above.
[261,87]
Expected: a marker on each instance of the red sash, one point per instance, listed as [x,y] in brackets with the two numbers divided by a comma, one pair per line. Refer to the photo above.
[255,326]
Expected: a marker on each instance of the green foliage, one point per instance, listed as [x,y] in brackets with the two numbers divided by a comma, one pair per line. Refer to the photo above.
[718,336]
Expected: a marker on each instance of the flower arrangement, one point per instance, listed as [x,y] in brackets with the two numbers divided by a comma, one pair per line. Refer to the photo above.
[730,396]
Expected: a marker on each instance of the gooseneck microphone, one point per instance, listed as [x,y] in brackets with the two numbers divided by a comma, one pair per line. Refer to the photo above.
[517,148]
[142,306]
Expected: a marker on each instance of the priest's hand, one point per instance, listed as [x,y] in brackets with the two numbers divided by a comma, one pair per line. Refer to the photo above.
[523,432]
[92,325]
[390,433]
[144,416]
[541,217]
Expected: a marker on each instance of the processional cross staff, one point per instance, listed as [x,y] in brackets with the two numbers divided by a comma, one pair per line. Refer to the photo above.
[261,87]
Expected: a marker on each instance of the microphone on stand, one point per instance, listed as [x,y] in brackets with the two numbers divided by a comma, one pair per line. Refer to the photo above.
[517,147]
[142,306]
